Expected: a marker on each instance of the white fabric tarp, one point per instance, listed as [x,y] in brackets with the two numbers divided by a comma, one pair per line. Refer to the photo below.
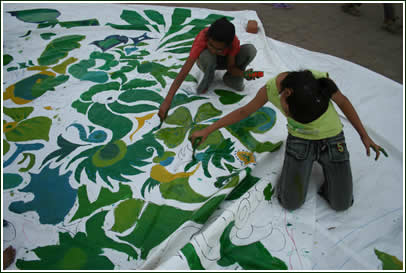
[91,182]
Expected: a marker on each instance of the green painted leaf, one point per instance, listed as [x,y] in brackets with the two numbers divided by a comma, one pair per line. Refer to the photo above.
[268,192]
[100,115]
[105,198]
[30,129]
[192,258]
[228,97]
[7,59]
[81,71]
[49,83]
[126,214]
[135,109]
[172,137]
[155,16]
[47,35]
[202,214]
[140,94]
[181,99]
[59,48]
[84,251]
[108,58]
[181,116]
[180,50]
[250,257]
[87,96]
[206,111]
[18,114]
[179,16]
[214,139]
[180,190]
[243,186]
[155,225]
[79,23]
[138,83]
[389,262]
[6,146]
[36,15]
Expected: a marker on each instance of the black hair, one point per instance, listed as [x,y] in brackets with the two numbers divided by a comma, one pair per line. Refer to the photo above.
[310,96]
[222,30]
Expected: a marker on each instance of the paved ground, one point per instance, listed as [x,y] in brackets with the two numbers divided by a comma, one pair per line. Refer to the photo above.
[325,28]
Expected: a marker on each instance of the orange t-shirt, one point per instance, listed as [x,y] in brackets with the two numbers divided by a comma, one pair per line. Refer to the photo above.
[200,44]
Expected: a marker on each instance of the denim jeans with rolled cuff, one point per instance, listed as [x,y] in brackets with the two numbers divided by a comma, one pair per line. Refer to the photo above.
[333,156]
[209,63]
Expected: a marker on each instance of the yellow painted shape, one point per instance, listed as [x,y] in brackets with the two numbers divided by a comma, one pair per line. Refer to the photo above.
[9,126]
[61,68]
[141,122]
[9,94]
[48,108]
[246,157]
[159,173]
[41,68]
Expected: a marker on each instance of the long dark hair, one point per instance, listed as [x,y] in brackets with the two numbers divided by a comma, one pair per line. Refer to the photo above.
[310,96]
[222,30]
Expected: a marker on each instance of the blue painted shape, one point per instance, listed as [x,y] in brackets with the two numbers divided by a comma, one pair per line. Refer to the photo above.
[22,148]
[167,161]
[138,39]
[53,196]
[11,180]
[129,50]
[271,113]
[95,137]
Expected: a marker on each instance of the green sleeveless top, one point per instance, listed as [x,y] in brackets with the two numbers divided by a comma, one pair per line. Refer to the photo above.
[327,125]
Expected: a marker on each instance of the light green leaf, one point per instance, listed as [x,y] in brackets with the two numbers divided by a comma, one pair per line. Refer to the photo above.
[172,137]
[206,111]
[181,116]
[18,114]
[126,214]
[35,128]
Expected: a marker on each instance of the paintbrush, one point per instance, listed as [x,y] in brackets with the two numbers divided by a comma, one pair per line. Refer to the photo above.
[195,145]
[161,122]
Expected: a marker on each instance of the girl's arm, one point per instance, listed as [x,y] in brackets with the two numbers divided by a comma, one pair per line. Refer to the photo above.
[166,104]
[347,108]
[260,99]
[232,68]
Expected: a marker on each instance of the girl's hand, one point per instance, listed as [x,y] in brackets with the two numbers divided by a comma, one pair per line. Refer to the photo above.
[368,143]
[203,134]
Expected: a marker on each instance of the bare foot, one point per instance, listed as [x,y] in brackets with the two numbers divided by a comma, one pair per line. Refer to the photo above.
[9,254]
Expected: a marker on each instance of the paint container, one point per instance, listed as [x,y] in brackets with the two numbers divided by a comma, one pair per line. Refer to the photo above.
[252,26]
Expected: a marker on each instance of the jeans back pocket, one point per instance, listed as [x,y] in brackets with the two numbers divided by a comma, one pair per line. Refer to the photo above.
[338,151]
[298,148]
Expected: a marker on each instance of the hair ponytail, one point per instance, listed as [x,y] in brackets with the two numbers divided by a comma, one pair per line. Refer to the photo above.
[327,87]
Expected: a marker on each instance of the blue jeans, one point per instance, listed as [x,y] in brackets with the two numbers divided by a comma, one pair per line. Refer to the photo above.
[333,156]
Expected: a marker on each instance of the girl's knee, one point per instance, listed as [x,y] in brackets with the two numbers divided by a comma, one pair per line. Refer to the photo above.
[290,204]
[341,206]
